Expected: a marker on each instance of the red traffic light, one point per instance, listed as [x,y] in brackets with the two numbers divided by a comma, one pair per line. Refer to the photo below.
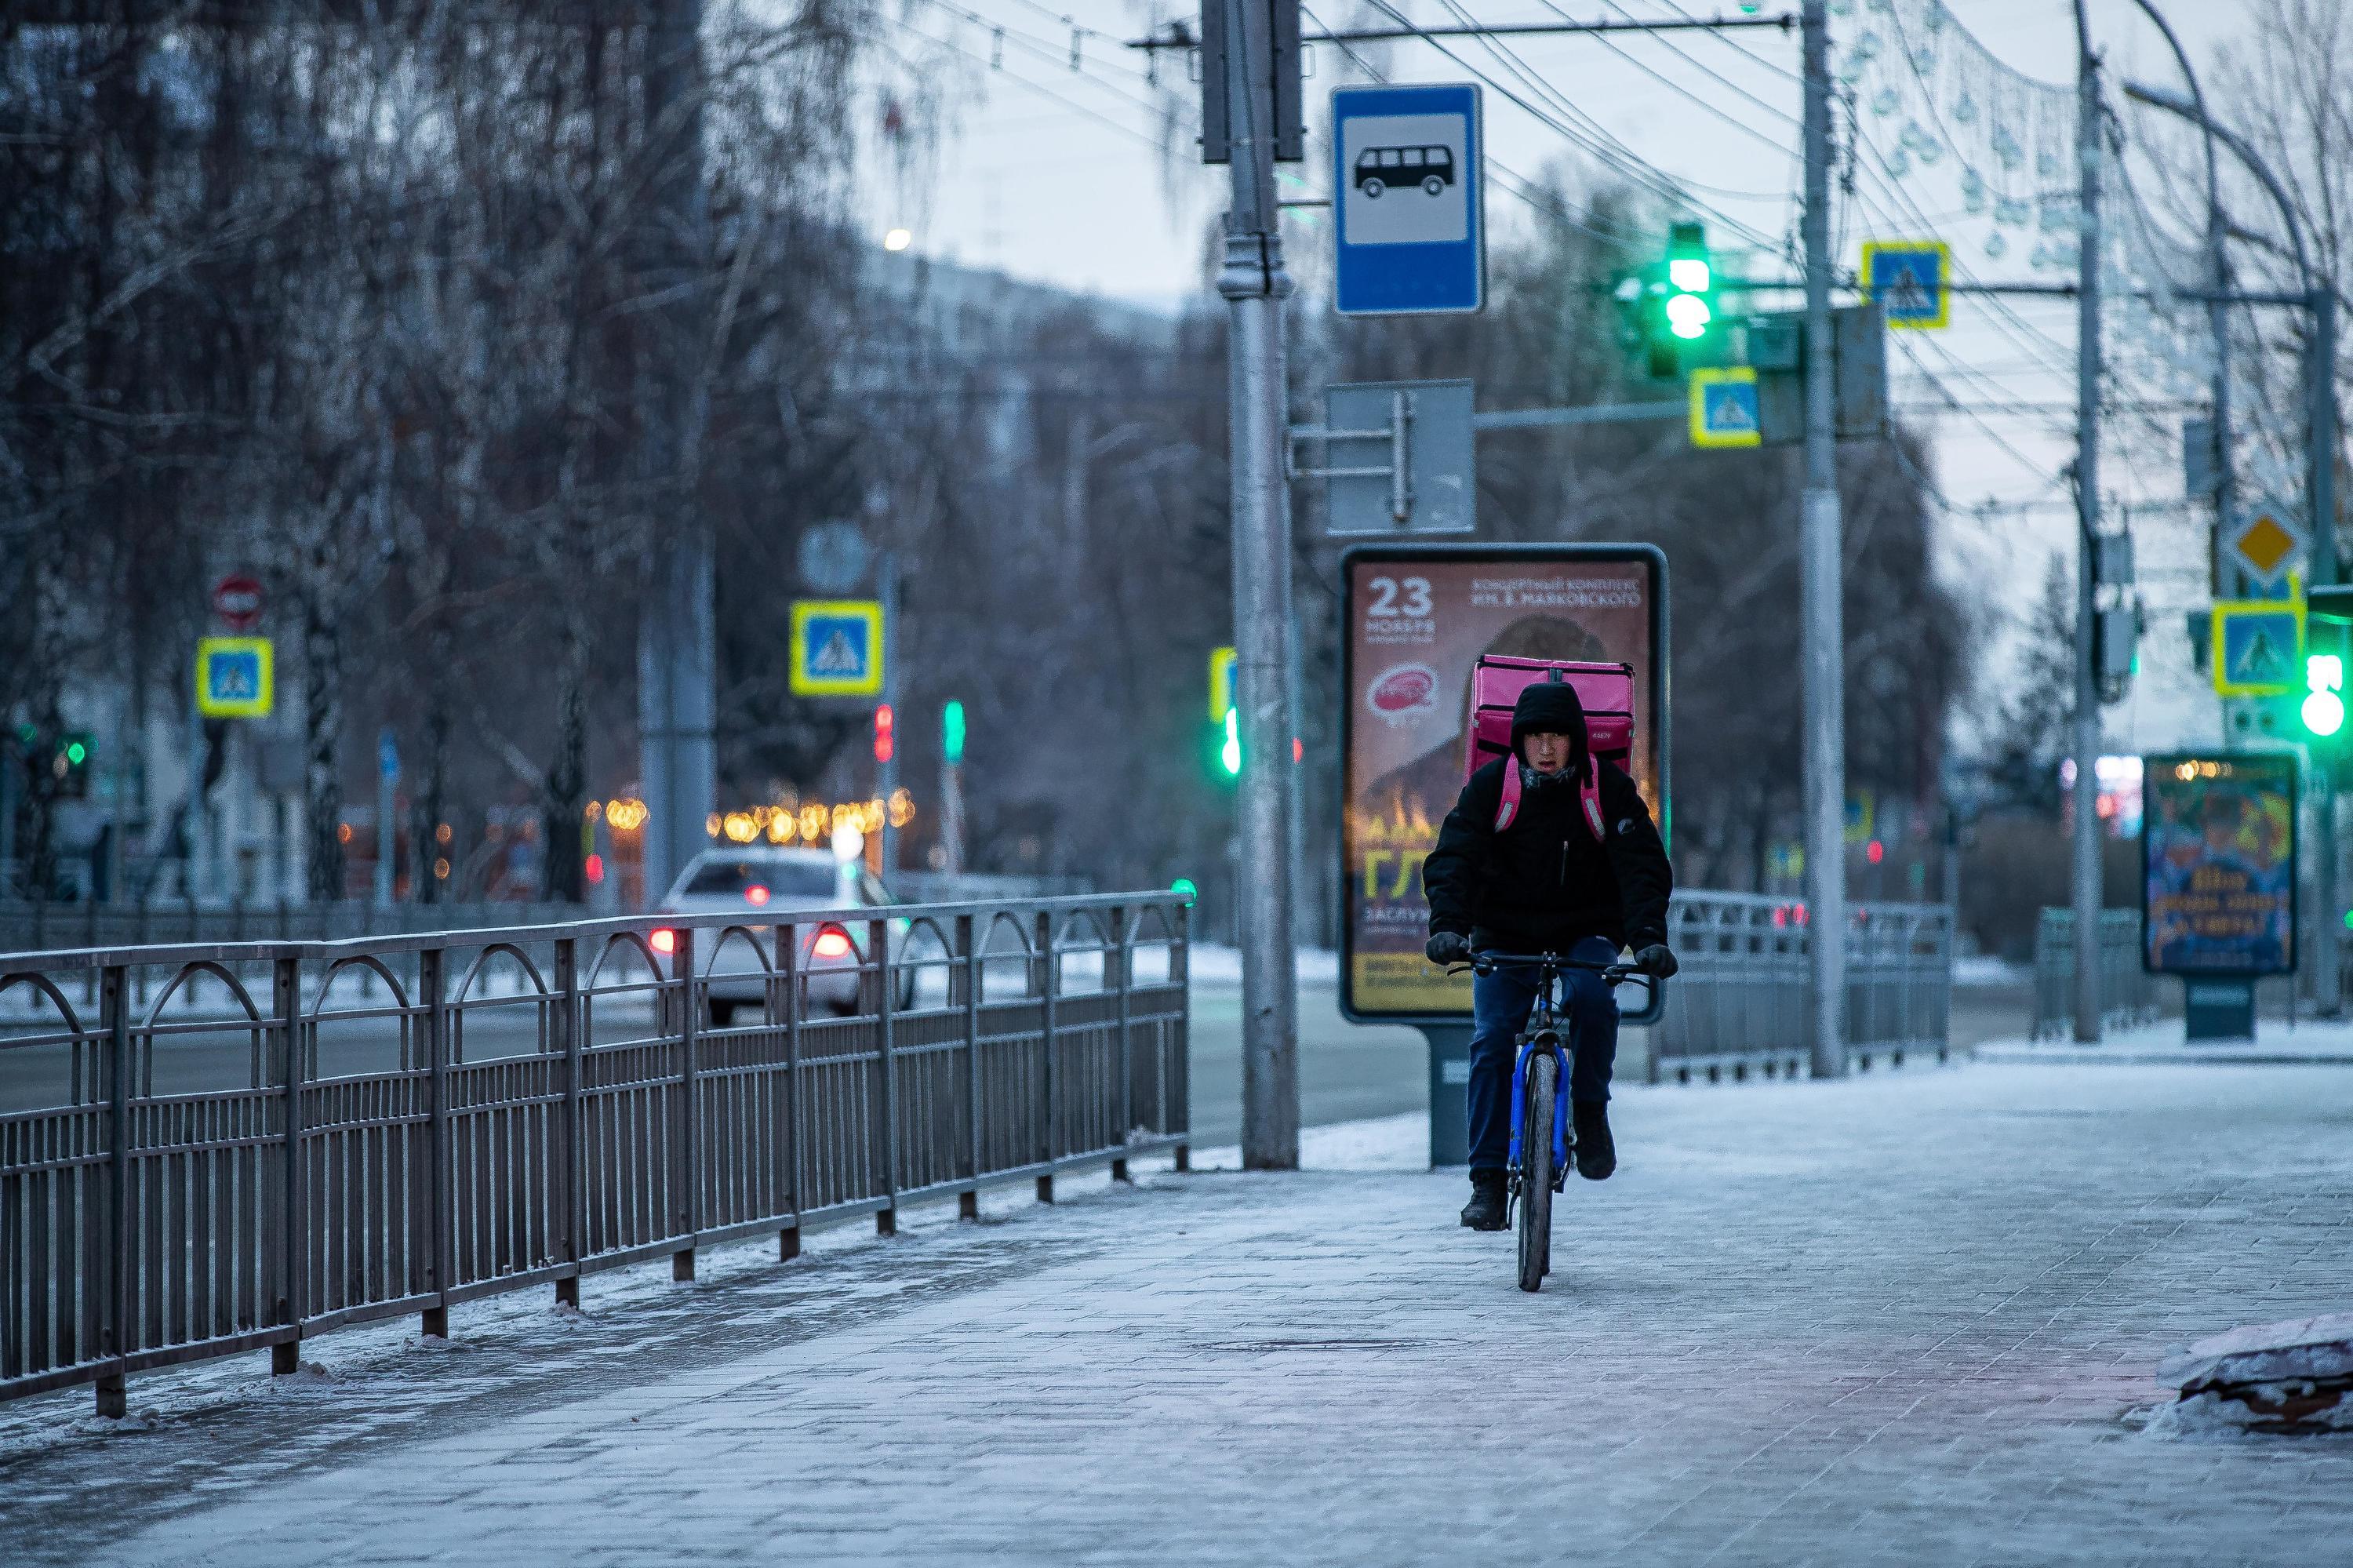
[884,742]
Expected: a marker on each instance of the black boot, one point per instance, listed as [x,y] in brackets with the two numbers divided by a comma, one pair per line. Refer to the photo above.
[1484,1212]
[1597,1156]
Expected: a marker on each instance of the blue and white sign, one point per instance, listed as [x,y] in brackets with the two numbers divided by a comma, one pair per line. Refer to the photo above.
[1409,197]
[1911,280]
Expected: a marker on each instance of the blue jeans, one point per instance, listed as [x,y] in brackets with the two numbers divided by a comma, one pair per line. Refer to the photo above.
[1500,1005]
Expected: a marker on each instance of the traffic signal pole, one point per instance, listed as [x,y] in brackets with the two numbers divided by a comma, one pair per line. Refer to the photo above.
[2087,527]
[1255,284]
[2320,482]
[1822,638]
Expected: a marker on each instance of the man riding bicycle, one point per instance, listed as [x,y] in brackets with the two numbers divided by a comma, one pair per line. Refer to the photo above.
[1549,879]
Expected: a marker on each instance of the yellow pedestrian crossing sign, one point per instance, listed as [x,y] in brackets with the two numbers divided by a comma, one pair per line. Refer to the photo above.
[2258,649]
[234,678]
[836,648]
[1724,411]
[1911,280]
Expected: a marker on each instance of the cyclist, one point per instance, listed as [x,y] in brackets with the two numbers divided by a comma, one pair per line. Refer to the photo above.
[1550,880]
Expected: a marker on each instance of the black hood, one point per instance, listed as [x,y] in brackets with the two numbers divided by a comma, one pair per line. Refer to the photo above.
[1550,705]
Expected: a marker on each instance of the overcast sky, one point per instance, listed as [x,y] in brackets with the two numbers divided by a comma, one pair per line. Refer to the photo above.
[1057,175]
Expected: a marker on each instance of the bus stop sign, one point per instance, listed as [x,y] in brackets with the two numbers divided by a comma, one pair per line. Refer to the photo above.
[1407,198]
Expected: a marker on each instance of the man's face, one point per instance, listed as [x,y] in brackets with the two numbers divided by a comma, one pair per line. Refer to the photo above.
[1546,752]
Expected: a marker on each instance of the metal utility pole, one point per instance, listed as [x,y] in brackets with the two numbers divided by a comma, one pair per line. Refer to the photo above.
[677,658]
[1823,639]
[2087,521]
[1254,284]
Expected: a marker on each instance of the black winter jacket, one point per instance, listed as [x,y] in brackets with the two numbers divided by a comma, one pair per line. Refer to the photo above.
[1543,883]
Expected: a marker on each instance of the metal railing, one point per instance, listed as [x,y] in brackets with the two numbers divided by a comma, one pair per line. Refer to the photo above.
[2128,993]
[28,925]
[1738,1004]
[261,1151]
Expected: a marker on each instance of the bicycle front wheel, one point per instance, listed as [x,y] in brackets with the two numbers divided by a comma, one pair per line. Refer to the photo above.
[1536,1168]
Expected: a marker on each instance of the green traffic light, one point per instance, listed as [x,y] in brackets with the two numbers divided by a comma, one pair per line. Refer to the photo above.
[1689,274]
[1182,888]
[952,732]
[1688,316]
[1230,754]
[77,753]
[2323,708]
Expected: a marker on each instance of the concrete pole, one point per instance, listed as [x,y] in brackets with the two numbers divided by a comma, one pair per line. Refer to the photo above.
[2087,518]
[952,819]
[1823,639]
[677,658]
[1254,284]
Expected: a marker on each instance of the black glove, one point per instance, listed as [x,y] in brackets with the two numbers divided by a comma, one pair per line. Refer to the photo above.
[1448,947]
[1655,959]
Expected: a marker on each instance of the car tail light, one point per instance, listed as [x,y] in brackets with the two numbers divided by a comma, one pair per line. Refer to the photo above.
[832,942]
[665,942]
[755,894]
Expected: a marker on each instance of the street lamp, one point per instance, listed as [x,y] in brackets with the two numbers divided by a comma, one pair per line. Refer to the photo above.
[2218,267]
[2320,474]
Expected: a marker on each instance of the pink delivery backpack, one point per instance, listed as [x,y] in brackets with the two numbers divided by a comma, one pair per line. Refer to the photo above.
[1607,691]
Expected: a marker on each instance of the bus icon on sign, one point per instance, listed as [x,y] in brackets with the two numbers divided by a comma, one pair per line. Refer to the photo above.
[1380,169]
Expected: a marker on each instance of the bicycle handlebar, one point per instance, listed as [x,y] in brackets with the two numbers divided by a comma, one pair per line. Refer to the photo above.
[1616,974]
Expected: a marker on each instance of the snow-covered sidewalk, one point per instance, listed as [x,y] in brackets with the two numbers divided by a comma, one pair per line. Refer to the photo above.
[1913,1319]
[2307,1042]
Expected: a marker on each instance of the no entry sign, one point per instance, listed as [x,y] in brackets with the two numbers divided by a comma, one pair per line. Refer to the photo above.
[238,601]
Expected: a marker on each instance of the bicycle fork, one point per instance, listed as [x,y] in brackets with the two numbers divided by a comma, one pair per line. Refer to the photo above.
[1561,1140]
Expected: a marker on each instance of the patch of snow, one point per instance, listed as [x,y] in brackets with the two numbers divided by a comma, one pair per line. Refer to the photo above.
[1985,970]
[1210,963]
[2300,1348]
[1399,1142]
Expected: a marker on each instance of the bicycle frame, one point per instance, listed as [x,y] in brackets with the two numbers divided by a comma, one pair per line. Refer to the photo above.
[1546,1030]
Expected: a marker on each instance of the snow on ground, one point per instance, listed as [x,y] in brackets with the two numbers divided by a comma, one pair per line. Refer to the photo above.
[2278,1042]
[1906,1318]
[1214,965]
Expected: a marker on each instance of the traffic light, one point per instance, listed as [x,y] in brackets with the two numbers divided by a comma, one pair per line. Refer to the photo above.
[884,743]
[1229,754]
[60,769]
[952,733]
[1689,303]
[1670,306]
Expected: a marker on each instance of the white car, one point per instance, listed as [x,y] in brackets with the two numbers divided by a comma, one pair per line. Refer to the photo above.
[755,882]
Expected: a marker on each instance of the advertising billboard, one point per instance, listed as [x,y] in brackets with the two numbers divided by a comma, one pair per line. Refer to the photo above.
[2218,865]
[1415,619]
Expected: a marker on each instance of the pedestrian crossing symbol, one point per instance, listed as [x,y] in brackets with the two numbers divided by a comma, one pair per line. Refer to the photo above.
[2258,649]
[1911,280]
[1723,409]
[836,648]
[234,677]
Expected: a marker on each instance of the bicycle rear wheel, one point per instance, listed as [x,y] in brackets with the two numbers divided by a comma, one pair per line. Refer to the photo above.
[1536,1167]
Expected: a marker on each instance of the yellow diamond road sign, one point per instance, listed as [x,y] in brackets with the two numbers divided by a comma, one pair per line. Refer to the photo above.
[2266,543]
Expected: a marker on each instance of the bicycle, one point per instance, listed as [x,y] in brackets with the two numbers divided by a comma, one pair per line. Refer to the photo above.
[1539,1165]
